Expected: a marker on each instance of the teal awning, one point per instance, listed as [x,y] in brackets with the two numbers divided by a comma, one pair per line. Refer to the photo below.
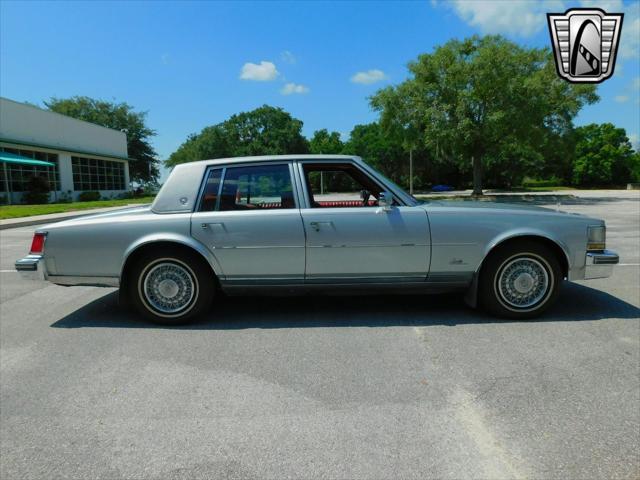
[13,158]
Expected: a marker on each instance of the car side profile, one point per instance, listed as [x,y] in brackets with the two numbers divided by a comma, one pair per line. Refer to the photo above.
[298,224]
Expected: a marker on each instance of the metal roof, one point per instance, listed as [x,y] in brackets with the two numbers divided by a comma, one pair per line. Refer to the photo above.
[63,149]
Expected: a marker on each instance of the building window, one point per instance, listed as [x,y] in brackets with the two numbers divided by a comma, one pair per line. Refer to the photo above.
[94,174]
[19,174]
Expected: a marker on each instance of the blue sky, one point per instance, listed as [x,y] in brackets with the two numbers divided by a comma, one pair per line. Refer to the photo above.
[193,64]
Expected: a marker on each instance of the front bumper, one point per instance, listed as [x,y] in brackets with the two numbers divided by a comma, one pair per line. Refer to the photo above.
[31,267]
[600,264]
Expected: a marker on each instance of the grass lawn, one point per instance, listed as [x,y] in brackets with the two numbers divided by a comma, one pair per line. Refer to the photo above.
[548,189]
[17,211]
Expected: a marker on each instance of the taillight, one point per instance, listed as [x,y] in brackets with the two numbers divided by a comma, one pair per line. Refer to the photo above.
[37,244]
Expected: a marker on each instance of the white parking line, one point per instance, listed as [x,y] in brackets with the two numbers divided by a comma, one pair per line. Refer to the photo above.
[8,271]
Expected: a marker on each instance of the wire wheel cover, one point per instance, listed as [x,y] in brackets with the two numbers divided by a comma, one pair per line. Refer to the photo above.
[523,282]
[169,287]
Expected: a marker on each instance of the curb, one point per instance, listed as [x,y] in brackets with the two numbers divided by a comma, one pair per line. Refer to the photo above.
[53,218]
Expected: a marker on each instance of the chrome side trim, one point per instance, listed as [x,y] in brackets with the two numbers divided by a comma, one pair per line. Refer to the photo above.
[337,289]
[72,280]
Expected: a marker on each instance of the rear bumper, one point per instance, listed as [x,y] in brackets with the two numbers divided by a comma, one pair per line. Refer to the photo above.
[600,264]
[32,267]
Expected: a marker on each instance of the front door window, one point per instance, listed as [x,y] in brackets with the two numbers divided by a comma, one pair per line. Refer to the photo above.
[335,185]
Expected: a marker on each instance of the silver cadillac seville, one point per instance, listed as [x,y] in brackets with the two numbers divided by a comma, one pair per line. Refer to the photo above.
[283,224]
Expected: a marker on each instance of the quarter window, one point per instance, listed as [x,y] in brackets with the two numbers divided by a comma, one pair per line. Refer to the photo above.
[209,201]
[263,187]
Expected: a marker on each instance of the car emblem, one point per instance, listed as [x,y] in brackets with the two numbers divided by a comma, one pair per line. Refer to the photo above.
[585,43]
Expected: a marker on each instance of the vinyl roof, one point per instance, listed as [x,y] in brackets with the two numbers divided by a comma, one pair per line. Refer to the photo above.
[267,158]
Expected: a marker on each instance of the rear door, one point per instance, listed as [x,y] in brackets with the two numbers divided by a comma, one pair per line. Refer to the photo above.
[249,218]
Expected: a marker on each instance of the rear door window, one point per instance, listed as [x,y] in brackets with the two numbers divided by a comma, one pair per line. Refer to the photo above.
[257,187]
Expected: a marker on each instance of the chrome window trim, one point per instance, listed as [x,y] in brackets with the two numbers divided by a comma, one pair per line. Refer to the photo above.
[350,161]
[203,182]
[207,173]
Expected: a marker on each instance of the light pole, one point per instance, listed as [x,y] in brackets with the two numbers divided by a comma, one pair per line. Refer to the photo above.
[411,171]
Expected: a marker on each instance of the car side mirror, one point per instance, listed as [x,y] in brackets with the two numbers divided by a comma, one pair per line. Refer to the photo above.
[385,201]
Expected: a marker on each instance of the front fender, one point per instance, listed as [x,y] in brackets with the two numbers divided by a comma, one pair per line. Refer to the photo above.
[471,296]
[525,232]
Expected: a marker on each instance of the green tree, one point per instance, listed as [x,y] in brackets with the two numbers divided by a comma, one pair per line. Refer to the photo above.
[325,142]
[484,102]
[381,151]
[119,116]
[263,131]
[603,156]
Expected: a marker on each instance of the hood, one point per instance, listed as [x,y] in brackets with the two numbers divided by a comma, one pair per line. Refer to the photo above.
[496,206]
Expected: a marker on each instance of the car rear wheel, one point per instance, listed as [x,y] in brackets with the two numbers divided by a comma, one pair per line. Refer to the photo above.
[171,289]
[520,280]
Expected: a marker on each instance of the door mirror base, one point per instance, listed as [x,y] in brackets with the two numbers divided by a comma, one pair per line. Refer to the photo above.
[385,201]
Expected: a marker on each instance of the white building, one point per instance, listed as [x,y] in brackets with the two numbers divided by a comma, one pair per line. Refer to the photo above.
[86,157]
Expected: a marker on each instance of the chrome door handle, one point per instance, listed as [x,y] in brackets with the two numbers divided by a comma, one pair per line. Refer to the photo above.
[208,225]
[316,225]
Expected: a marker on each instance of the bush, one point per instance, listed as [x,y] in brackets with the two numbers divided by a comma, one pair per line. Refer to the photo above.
[37,191]
[65,197]
[552,182]
[125,195]
[91,196]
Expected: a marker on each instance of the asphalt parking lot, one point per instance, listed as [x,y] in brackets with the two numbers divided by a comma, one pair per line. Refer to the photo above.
[344,387]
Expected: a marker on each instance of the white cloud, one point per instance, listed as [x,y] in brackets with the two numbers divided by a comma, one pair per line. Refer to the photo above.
[369,77]
[263,72]
[291,88]
[633,139]
[621,98]
[288,57]
[526,18]
[630,40]
[629,46]
[509,17]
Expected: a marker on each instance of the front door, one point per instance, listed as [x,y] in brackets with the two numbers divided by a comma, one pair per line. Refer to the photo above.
[350,238]
[248,217]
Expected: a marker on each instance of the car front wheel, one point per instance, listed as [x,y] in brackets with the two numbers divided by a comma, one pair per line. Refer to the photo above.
[171,289]
[520,280]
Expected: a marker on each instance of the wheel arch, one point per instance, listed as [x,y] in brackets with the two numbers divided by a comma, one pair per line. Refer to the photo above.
[147,244]
[556,246]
